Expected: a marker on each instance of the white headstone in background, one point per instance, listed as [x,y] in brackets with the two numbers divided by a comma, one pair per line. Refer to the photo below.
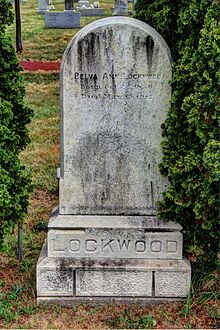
[86,9]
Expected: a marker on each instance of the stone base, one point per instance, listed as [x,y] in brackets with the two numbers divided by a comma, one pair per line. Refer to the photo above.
[97,301]
[137,237]
[107,280]
[65,20]
[91,11]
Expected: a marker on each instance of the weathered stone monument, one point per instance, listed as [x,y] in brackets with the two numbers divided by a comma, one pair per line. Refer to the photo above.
[121,8]
[105,242]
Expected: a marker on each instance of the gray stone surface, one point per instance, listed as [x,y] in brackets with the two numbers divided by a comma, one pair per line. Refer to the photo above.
[52,282]
[114,243]
[121,7]
[91,11]
[124,277]
[97,301]
[172,284]
[64,20]
[150,223]
[114,100]
[113,283]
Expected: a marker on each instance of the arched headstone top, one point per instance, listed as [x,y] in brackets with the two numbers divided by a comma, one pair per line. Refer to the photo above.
[115,93]
[104,23]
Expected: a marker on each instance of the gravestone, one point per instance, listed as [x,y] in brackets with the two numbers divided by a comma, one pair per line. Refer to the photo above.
[42,7]
[121,8]
[104,241]
[65,20]
[86,9]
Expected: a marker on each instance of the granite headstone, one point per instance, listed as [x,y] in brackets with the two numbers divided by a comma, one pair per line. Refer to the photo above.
[104,241]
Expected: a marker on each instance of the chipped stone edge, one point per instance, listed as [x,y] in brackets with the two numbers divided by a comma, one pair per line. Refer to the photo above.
[60,221]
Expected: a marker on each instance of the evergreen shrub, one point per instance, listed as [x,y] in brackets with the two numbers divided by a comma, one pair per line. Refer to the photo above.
[191,146]
[15,182]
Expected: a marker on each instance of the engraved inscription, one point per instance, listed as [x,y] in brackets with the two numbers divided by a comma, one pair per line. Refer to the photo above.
[114,100]
[140,246]
[75,245]
[117,243]
[94,86]
[156,246]
[114,246]
[90,245]
[171,246]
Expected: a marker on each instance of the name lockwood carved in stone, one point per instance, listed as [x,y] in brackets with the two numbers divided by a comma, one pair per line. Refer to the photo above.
[105,243]
[118,244]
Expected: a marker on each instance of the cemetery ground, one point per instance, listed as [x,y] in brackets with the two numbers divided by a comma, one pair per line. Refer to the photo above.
[18,307]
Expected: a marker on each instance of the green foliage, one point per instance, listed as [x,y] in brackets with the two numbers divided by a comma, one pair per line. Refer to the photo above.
[13,304]
[191,147]
[128,321]
[14,116]
[41,225]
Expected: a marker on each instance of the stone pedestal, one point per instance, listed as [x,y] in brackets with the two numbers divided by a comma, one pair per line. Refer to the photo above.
[104,259]
[105,243]
[102,280]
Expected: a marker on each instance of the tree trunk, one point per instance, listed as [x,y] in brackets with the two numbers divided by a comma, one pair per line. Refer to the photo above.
[19,47]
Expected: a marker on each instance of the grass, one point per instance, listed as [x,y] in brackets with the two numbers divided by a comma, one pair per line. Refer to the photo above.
[18,307]
[48,44]
[42,155]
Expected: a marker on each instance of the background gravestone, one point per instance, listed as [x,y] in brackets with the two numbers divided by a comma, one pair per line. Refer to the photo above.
[87,9]
[121,7]
[105,240]
[42,6]
[66,20]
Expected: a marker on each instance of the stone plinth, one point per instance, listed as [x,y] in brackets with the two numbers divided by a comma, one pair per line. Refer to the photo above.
[113,237]
[130,278]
